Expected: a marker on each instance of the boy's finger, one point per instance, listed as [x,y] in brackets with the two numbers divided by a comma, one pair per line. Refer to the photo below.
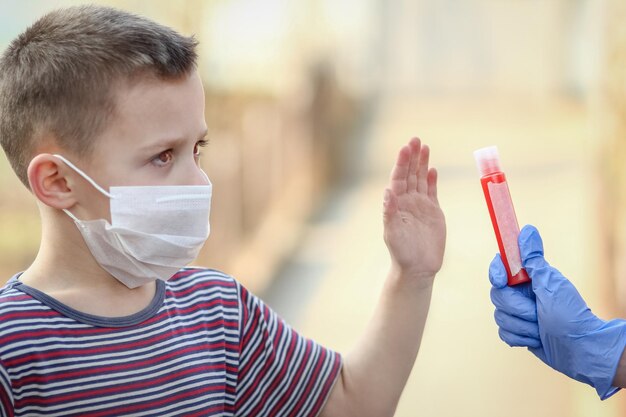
[401,170]
[414,146]
[390,205]
[432,185]
[422,170]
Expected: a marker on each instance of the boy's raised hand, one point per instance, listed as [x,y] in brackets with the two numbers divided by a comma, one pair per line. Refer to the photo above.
[415,234]
[414,224]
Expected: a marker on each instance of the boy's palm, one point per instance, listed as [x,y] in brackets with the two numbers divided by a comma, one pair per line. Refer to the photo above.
[414,225]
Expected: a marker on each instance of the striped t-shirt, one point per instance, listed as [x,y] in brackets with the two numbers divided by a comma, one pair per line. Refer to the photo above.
[204,346]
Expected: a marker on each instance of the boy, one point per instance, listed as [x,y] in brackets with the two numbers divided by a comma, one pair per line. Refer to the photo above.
[102,117]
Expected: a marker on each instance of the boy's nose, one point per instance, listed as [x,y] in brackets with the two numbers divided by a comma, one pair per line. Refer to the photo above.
[197,176]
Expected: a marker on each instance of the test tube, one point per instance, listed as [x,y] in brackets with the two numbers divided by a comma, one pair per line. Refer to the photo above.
[501,211]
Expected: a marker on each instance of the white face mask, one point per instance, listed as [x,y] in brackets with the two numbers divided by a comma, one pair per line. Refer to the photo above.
[154,230]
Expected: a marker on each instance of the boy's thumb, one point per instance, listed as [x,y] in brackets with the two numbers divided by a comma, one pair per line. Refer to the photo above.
[531,251]
[389,204]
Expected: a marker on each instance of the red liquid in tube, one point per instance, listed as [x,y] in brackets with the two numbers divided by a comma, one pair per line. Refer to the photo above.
[502,213]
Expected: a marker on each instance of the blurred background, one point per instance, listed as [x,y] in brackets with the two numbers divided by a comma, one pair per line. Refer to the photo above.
[308,102]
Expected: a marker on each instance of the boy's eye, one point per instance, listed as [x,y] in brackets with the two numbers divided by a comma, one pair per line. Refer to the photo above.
[163,158]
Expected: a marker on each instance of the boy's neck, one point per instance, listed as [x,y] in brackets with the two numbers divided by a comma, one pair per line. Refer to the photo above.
[93,292]
[69,273]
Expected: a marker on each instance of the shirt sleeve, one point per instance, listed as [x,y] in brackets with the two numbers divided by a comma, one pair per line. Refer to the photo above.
[280,372]
[6,399]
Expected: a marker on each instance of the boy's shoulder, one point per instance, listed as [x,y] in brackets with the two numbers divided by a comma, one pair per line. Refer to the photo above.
[8,292]
[194,276]
[16,306]
[202,283]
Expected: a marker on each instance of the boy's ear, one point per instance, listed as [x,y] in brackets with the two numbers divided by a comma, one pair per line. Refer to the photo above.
[48,181]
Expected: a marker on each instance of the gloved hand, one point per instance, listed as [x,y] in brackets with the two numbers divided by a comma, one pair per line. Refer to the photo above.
[551,318]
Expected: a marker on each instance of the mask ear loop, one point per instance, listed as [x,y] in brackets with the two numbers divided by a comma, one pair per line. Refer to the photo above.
[69,213]
[204,174]
[88,179]
[206,177]
[85,176]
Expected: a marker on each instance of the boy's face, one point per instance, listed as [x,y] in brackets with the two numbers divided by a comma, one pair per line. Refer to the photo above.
[153,138]
[154,135]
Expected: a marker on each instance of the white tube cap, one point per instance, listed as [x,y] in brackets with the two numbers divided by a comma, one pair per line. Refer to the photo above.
[487,160]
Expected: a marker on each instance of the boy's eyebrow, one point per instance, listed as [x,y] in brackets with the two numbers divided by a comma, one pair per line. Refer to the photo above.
[171,142]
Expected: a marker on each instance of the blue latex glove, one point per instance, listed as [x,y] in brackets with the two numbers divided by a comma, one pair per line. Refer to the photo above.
[551,318]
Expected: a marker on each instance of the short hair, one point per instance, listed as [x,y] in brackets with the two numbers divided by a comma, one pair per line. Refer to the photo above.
[58,77]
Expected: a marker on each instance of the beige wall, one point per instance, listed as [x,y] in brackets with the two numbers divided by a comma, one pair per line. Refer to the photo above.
[514,47]
[610,124]
[611,121]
